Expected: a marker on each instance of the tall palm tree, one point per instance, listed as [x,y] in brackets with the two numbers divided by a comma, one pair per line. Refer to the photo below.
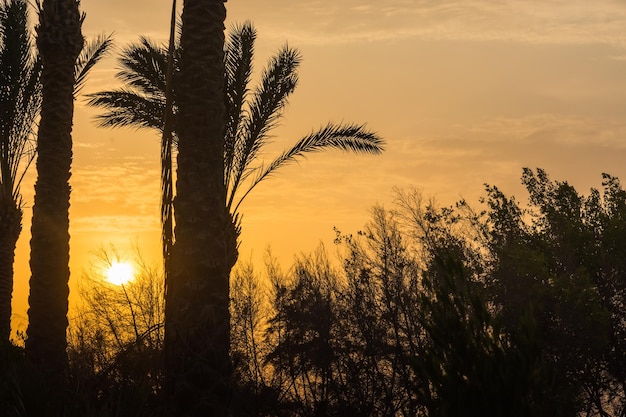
[20,103]
[251,113]
[20,98]
[197,293]
[207,202]
[60,41]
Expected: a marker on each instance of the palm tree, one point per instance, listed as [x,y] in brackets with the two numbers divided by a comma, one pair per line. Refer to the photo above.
[20,103]
[218,166]
[20,98]
[60,41]
[251,114]
[197,293]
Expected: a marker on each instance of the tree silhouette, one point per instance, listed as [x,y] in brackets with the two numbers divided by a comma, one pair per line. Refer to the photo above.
[197,363]
[563,256]
[60,42]
[248,119]
[20,99]
[20,102]
[116,334]
[251,113]
[435,311]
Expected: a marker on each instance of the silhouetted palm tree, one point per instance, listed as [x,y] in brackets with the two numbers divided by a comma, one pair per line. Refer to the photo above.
[60,42]
[197,320]
[20,102]
[218,165]
[251,114]
[20,98]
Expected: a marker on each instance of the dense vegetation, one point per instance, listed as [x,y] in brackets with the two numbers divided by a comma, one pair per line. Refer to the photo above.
[515,310]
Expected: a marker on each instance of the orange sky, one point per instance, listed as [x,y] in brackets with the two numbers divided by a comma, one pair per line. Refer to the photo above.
[464,92]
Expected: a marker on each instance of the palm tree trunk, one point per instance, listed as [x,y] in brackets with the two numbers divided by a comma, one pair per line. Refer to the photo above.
[60,41]
[11,226]
[197,331]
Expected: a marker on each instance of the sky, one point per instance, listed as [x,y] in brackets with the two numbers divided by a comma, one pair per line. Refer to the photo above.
[465,92]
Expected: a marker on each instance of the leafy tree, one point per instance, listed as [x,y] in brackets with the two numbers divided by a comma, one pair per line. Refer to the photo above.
[259,388]
[381,332]
[431,323]
[471,364]
[405,329]
[303,328]
[563,257]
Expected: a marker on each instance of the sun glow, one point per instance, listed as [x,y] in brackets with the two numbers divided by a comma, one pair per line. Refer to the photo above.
[120,273]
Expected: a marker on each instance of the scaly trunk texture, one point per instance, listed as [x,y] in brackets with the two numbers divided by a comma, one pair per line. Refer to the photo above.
[11,226]
[198,370]
[59,40]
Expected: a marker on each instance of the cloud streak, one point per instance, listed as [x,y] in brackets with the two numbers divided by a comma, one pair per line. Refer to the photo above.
[527,21]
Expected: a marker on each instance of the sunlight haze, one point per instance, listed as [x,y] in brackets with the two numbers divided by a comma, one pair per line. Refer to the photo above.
[464,93]
[120,273]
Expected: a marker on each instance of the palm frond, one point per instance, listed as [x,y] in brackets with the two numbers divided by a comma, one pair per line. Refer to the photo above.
[143,67]
[278,81]
[15,62]
[20,97]
[92,53]
[126,108]
[250,114]
[238,57]
[350,138]
[141,103]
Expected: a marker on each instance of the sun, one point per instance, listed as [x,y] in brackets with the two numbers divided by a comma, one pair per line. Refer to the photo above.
[120,273]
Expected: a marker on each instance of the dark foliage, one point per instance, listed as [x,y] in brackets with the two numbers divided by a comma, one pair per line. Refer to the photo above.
[517,310]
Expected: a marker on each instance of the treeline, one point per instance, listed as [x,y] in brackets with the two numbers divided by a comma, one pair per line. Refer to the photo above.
[516,310]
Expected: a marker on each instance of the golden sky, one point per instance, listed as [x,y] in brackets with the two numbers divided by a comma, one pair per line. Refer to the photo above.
[465,92]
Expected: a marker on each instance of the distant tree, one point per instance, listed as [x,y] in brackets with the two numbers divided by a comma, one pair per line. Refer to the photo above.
[259,390]
[471,364]
[405,328]
[380,329]
[115,337]
[423,322]
[563,256]
[303,328]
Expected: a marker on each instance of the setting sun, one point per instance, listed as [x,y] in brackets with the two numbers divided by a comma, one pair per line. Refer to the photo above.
[120,273]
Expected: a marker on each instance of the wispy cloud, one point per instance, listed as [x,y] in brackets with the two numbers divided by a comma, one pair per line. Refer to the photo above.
[127,187]
[122,224]
[529,21]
